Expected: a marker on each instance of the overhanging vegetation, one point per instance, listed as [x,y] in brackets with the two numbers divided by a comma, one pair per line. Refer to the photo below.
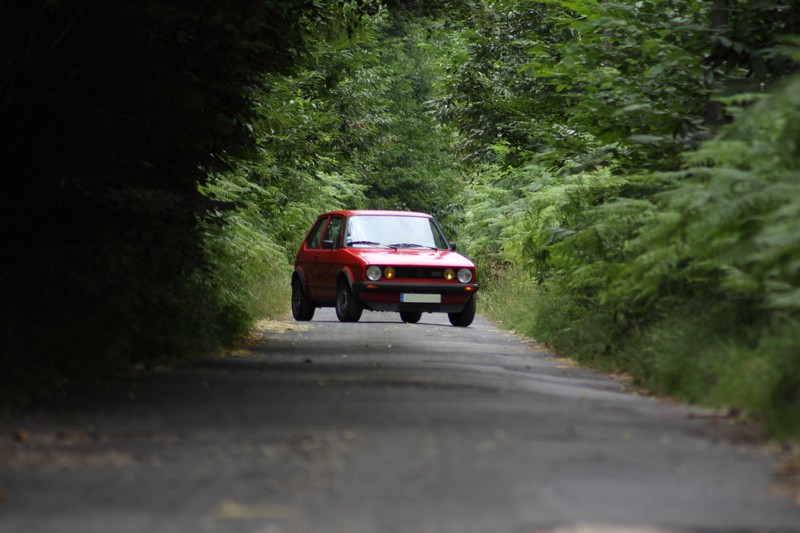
[628,171]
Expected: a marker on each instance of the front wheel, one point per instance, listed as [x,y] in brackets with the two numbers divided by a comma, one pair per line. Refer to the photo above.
[302,309]
[465,317]
[410,317]
[347,307]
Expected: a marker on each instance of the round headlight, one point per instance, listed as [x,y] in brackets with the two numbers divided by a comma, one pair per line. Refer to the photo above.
[389,272]
[464,275]
[449,274]
[373,273]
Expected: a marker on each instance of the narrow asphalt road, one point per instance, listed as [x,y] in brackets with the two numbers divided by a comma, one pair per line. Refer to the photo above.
[381,427]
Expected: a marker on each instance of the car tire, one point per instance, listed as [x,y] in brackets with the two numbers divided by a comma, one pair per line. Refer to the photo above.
[410,317]
[465,317]
[302,308]
[347,307]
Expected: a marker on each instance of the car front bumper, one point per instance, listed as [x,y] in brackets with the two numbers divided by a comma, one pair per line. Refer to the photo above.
[389,296]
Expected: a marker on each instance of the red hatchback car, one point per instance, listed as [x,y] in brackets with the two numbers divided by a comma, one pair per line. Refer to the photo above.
[384,261]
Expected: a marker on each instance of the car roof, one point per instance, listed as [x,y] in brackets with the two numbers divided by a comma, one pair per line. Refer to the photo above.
[376,212]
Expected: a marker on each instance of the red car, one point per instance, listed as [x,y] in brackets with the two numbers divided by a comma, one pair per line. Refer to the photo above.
[384,261]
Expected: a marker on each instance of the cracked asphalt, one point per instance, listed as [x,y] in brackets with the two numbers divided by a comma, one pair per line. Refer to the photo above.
[382,427]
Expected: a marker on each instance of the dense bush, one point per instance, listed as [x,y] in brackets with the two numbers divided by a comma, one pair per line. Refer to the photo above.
[658,231]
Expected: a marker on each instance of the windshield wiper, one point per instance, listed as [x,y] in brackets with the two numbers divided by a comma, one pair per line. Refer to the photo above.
[410,245]
[373,243]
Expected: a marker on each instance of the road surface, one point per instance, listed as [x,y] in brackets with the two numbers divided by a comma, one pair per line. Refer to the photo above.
[381,427]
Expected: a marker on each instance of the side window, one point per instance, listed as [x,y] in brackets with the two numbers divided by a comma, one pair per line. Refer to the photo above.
[333,231]
[315,235]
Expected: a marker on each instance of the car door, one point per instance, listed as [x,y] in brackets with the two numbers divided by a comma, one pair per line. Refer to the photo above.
[329,258]
[308,258]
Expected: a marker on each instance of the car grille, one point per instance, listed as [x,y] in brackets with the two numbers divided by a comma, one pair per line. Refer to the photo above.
[420,273]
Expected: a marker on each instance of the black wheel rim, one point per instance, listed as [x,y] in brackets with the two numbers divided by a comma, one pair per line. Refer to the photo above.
[297,298]
[344,301]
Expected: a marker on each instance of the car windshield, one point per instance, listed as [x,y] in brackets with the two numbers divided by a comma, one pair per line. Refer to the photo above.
[393,231]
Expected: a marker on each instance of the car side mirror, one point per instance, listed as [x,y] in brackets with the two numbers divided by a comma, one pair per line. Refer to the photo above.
[453,246]
[327,245]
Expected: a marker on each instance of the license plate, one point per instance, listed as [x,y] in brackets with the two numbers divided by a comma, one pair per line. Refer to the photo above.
[421,298]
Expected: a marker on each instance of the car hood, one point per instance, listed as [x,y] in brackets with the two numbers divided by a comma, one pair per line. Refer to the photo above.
[412,257]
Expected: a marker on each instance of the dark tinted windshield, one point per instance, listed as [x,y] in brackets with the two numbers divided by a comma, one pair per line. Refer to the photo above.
[398,231]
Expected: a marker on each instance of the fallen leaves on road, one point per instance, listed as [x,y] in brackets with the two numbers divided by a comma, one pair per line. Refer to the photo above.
[603,528]
[787,476]
[230,510]
[63,450]
[262,329]
[276,326]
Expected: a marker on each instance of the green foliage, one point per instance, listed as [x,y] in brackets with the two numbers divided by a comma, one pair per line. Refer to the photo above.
[403,160]
[730,225]
[623,84]
[645,215]
[483,90]
[694,287]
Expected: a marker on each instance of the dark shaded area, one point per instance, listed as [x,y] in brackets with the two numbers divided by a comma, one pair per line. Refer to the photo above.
[111,114]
